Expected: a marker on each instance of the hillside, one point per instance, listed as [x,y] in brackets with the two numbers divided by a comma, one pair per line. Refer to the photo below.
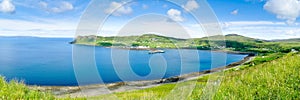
[233,37]
[231,42]
[288,40]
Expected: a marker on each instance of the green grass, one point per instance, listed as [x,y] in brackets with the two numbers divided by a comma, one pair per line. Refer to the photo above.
[14,90]
[277,79]
[232,42]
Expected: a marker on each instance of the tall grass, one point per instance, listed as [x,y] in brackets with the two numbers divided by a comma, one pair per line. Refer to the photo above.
[278,79]
[14,90]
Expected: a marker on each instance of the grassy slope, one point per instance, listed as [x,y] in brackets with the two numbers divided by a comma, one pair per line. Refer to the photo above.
[277,79]
[18,91]
[232,42]
[288,40]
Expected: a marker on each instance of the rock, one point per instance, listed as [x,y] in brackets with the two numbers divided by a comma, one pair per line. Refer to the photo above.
[170,80]
[73,42]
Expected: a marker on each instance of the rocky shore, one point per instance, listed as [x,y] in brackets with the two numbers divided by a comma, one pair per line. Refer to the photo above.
[98,89]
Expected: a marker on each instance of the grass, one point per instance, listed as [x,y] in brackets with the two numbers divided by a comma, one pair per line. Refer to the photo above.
[232,42]
[15,90]
[277,79]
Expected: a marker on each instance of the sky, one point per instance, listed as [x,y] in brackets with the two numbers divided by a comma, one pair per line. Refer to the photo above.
[263,19]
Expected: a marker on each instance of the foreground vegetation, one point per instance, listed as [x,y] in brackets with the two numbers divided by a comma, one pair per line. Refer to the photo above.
[277,79]
[14,90]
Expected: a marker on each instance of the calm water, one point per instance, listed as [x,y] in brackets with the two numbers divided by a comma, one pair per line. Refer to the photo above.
[48,61]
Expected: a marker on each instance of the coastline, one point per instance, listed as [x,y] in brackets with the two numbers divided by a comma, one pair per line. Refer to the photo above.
[212,50]
[100,89]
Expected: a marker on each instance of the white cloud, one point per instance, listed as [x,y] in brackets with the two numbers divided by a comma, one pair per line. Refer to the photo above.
[51,28]
[118,9]
[191,5]
[64,6]
[175,15]
[262,29]
[6,6]
[293,32]
[235,12]
[288,10]
[60,7]
[145,6]
[165,6]
[145,24]
[43,4]
[256,29]
[254,1]
[252,23]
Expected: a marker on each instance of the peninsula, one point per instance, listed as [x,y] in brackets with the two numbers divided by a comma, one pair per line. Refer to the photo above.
[229,43]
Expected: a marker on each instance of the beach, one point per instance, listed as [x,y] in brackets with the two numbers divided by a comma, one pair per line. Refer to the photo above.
[100,89]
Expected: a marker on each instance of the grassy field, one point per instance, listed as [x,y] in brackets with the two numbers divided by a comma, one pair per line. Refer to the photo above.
[277,79]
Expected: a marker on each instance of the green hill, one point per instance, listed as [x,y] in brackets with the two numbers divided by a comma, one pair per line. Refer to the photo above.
[288,40]
[231,42]
[233,37]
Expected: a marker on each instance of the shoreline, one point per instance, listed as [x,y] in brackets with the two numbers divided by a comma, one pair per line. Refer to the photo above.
[100,89]
[145,49]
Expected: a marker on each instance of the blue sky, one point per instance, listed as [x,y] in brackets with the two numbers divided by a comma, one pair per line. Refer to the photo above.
[264,19]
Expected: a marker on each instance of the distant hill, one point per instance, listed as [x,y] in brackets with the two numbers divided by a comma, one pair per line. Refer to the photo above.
[288,40]
[232,37]
[230,42]
[235,37]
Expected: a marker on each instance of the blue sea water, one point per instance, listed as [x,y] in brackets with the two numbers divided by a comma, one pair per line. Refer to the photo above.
[49,61]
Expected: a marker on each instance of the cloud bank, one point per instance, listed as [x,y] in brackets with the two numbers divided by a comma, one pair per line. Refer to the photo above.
[59,7]
[235,12]
[118,9]
[175,15]
[191,5]
[6,6]
[288,10]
